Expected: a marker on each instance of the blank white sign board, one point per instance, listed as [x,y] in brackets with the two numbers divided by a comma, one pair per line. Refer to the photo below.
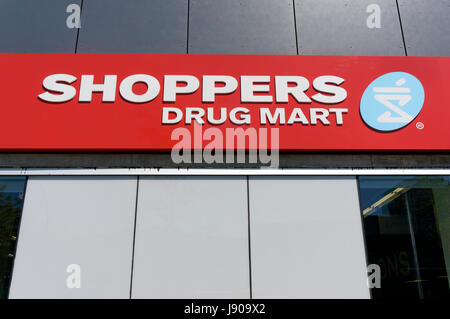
[76,238]
[306,238]
[192,238]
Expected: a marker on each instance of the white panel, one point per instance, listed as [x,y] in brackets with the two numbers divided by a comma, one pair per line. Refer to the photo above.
[306,238]
[88,221]
[191,238]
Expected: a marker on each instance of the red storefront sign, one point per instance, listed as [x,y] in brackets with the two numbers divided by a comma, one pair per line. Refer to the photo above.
[135,101]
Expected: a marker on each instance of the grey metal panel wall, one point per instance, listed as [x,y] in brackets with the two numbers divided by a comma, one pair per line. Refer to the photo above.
[134,26]
[338,27]
[287,160]
[426,26]
[241,27]
[36,26]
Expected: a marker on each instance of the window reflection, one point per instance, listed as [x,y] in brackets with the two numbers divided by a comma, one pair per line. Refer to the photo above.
[11,200]
[407,230]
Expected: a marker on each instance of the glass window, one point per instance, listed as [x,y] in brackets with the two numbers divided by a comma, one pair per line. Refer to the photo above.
[407,230]
[11,200]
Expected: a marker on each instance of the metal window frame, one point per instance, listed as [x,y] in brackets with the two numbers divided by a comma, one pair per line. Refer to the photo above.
[218,172]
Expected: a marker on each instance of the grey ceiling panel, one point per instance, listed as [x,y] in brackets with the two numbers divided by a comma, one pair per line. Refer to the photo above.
[242,27]
[339,27]
[426,26]
[36,26]
[134,26]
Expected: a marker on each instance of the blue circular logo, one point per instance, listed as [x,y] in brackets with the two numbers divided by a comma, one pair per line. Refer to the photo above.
[392,101]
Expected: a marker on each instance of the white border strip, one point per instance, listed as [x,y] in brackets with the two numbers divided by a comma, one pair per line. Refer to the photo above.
[220,172]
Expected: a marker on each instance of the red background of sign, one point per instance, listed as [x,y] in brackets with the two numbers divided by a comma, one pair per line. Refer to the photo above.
[30,124]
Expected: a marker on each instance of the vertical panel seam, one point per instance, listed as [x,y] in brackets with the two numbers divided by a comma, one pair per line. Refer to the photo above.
[414,247]
[401,27]
[134,236]
[187,28]
[249,239]
[295,26]
[78,29]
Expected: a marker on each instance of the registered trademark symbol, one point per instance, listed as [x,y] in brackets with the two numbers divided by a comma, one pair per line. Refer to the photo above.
[420,125]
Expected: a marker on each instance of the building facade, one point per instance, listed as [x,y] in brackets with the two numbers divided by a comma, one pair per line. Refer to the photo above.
[136,224]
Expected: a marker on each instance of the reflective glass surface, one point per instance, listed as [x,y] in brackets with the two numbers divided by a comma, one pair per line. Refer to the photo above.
[407,230]
[11,201]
